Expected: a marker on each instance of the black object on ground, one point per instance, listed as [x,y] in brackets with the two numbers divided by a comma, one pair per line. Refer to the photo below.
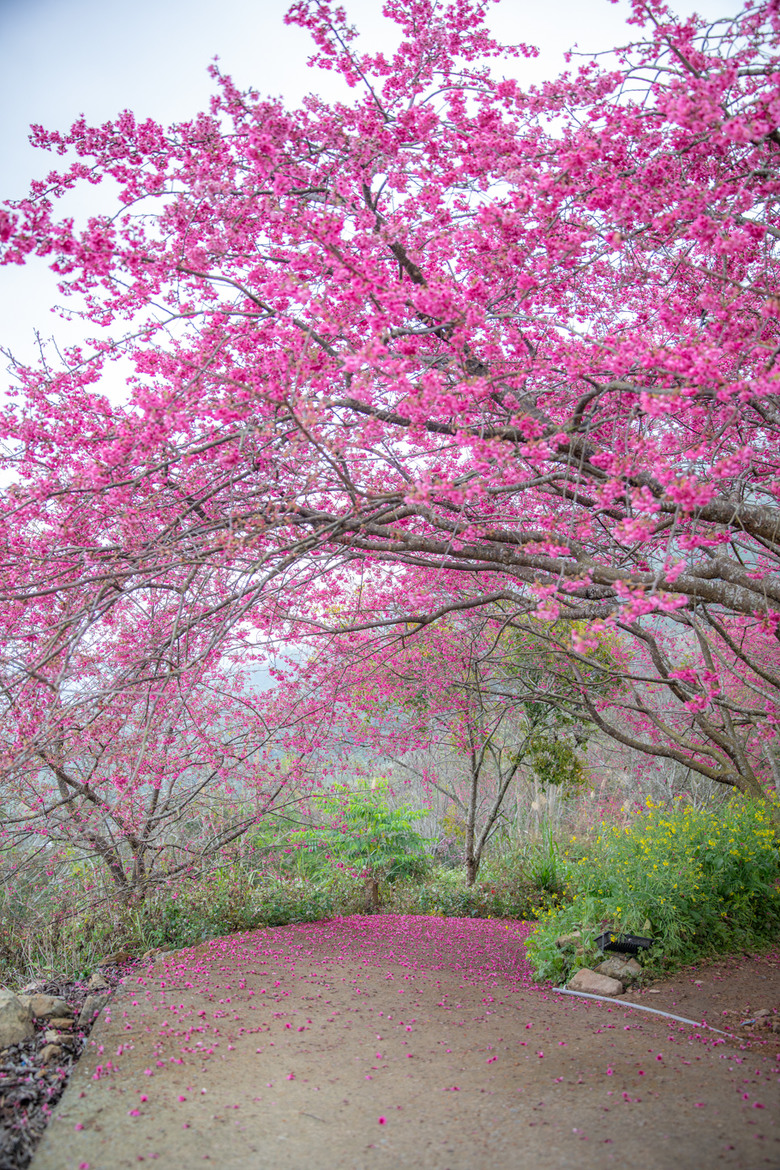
[629,944]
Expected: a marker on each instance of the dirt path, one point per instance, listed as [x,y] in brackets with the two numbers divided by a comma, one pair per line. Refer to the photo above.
[386,1042]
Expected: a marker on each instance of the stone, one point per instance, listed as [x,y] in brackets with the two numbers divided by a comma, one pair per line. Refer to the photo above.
[61,1022]
[761,1013]
[626,970]
[15,1020]
[53,1037]
[624,956]
[115,959]
[45,1007]
[568,940]
[594,984]
[50,1052]
[97,982]
[93,1005]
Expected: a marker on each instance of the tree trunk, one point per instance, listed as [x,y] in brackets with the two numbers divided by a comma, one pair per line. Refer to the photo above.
[373,901]
[472,857]
[751,787]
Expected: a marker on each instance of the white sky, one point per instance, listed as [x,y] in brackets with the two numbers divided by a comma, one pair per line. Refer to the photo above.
[62,58]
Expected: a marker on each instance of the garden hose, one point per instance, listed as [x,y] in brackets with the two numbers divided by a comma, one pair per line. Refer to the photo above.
[639,1007]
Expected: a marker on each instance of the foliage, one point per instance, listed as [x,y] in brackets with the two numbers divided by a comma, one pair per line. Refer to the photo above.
[694,880]
[444,345]
[66,939]
[544,864]
[555,761]
[698,880]
[365,835]
[236,901]
[503,890]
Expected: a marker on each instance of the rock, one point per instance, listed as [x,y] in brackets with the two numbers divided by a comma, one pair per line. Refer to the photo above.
[15,1020]
[53,1037]
[626,970]
[45,1007]
[115,959]
[568,940]
[594,984]
[93,1005]
[61,1022]
[759,1015]
[50,1052]
[97,982]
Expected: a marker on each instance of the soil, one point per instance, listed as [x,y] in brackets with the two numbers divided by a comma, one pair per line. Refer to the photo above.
[739,994]
[290,1048]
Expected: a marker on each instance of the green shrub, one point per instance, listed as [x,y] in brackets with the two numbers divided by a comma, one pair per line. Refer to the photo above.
[361,831]
[301,900]
[65,938]
[696,881]
[235,900]
[503,890]
[543,863]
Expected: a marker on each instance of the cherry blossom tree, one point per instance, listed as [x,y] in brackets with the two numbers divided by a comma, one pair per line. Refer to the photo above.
[152,785]
[475,343]
[469,690]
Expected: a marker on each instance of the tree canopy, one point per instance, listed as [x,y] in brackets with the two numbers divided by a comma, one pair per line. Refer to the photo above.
[451,344]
